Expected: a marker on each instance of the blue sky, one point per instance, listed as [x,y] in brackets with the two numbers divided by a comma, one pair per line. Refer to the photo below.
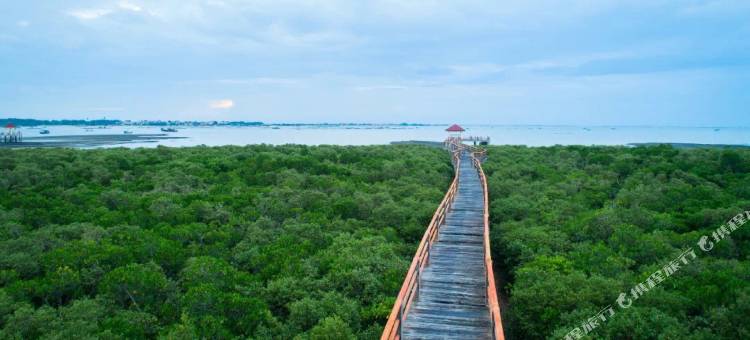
[684,63]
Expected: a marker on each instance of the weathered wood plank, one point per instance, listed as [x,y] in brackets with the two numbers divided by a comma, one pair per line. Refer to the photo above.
[452,297]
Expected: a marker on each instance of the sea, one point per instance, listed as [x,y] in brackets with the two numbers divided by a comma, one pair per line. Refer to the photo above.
[342,134]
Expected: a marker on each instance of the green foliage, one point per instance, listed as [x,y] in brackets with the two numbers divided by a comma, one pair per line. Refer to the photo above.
[331,328]
[573,226]
[267,242]
[313,242]
[137,286]
[132,324]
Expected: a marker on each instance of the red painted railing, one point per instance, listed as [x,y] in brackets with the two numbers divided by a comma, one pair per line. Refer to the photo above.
[492,302]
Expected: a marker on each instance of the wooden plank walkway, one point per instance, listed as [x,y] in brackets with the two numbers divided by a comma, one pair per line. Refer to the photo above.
[452,303]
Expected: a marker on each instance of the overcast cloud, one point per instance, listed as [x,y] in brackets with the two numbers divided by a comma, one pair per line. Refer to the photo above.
[502,62]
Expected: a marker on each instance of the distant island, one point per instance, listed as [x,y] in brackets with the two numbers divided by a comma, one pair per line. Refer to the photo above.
[118,122]
[100,122]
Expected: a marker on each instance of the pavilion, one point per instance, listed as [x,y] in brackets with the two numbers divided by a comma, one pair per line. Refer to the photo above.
[11,134]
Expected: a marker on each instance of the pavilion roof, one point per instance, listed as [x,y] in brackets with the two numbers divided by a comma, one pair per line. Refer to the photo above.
[455,128]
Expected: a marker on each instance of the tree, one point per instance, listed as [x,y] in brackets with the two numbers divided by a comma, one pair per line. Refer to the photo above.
[210,271]
[331,328]
[142,287]
[132,324]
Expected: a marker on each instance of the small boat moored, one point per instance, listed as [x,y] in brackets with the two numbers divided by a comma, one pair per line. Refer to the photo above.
[168,130]
[44,132]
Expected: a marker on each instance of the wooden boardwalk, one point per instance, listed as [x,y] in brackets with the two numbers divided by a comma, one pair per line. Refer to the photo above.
[449,290]
[451,302]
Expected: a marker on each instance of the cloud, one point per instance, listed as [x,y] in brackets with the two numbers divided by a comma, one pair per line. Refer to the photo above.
[89,14]
[261,81]
[129,6]
[105,109]
[424,55]
[281,34]
[222,104]
[380,87]
[637,59]
[716,7]
[97,13]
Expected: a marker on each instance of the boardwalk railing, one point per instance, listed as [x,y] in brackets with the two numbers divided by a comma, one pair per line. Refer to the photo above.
[492,301]
[410,288]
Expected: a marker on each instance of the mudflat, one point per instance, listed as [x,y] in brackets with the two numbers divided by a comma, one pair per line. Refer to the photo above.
[79,141]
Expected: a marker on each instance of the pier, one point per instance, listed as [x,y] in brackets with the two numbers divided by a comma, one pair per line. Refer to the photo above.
[449,291]
[477,140]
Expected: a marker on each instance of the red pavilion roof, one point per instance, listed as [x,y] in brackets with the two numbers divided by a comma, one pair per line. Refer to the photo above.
[455,128]
[10,126]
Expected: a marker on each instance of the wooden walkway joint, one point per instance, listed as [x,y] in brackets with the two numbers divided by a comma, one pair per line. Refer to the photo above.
[449,290]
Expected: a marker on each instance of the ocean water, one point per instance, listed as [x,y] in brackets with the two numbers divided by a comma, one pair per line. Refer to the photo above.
[531,135]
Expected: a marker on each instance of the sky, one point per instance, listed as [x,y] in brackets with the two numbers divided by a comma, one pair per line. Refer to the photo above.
[574,62]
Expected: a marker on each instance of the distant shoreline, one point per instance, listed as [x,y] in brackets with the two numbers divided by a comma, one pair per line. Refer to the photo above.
[29,122]
[86,141]
[24,122]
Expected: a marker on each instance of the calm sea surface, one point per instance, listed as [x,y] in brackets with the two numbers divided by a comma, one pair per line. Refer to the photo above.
[531,135]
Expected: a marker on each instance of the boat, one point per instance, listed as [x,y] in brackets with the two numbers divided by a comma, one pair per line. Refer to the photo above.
[44,132]
[127,132]
[168,130]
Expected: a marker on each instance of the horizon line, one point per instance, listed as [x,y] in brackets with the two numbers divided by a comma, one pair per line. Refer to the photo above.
[376,123]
